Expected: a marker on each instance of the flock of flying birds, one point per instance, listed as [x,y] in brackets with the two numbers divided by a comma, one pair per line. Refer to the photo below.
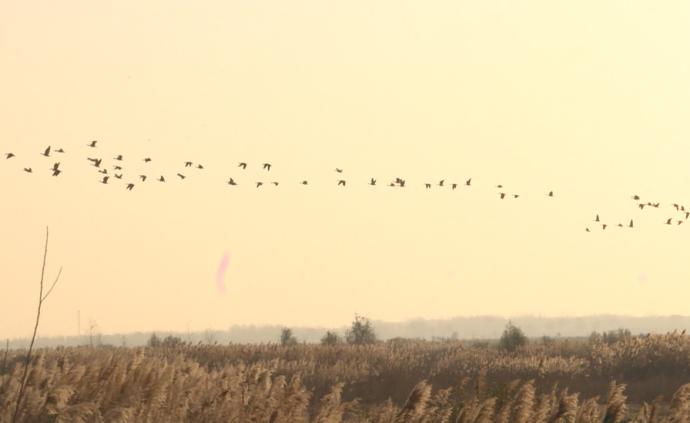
[117,173]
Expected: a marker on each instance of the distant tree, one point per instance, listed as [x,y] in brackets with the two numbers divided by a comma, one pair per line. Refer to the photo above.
[613,336]
[286,337]
[513,338]
[171,342]
[361,332]
[154,341]
[330,338]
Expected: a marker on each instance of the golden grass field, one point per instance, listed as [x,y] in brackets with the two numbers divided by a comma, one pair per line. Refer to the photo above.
[394,381]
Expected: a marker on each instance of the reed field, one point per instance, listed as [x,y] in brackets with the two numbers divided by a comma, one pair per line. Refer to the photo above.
[635,379]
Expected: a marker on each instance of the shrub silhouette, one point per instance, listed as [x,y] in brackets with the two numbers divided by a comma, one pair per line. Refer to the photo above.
[512,339]
[361,332]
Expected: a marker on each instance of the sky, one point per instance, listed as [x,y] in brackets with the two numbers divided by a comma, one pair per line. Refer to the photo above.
[589,99]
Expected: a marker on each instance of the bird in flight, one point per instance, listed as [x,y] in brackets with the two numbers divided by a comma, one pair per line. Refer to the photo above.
[28,170]
[130,186]
[550,194]
[341,182]
[372,182]
[499,186]
[55,166]
[603,226]
[516,195]
[47,152]
[338,170]
[587,229]
[668,222]
[503,195]
[631,224]
[243,165]
[147,159]
[232,182]
[56,172]
[118,175]
[188,164]
[143,178]
[117,167]
[641,206]
[427,186]
[181,176]
[161,179]
[103,171]
[275,183]
[59,150]
[267,166]
[96,162]
[258,184]
[305,182]
[199,166]
[9,155]
[468,182]
[454,186]
[635,197]
[105,179]
[92,144]
[119,157]
[440,183]
[597,219]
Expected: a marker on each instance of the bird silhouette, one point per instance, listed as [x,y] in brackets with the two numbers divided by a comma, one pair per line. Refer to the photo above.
[28,170]
[587,229]
[620,225]
[676,206]
[130,186]
[550,194]
[56,172]
[258,184]
[427,186]
[118,175]
[275,183]
[468,182]
[631,224]
[668,222]
[143,178]
[338,170]
[372,182]
[231,182]
[147,159]
[56,166]
[603,226]
[503,195]
[161,179]
[687,214]
[596,219]
[96,162]
[341,182]
[59,150]
[402,183]
[641,206]
[9,155]
[103,171]
[499,186]
[105,179]
[117,167]
[47,152]
[119,157]
[181,176]
[199,166]
[680,222]
[267,166]
[516,195]
[635,197]
[243,165]
[188,164]
[454,186]
[655,205]
[440,183]
[92,144]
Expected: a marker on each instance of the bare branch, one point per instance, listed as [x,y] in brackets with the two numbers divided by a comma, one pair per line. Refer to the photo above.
[52,286]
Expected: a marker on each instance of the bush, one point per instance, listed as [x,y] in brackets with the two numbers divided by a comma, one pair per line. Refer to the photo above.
[286,337]
[330,338]
[512,339]
[361,333]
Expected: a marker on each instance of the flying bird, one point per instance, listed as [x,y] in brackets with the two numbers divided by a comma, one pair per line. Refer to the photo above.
[56,172]
[440,183]
[143,178]
[341,182]
[232,182]
[503,195]
[188,164]
[304,182]
[130,186]
[47,152]
[9,155]
[668,222]
[92,144]
[243,165]
[676,206]
[181,176]
[103,171]
[267,166]
[59,150]
[28,170]
[199,166]
[468,182]
[687,214]
[631,224]
[119,157]
[96,162]
[372,182]
[587,229]
[105,179]
[516,195]
[603,226]
[117,167]
[641,206]
[147,159]
[597,219]
[499,186]
[258,184]
[454,186]
[56,166]
[161,179]
[338,170]
[635,197]
[118,175]
[550,194]
[275,183]
[427,186]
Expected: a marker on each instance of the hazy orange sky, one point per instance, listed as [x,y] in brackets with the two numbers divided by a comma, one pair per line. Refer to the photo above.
[590,99]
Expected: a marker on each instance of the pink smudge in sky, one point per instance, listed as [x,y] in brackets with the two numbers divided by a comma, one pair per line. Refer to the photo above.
[220,274]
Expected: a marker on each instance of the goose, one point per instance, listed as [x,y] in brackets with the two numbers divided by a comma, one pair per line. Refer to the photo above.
[118,158]
[468,182]
[341,182]
[243,165]
[9,155]
[232,182]
[92,144]
[267,166]
[28,170]
[47,152]
[372,182]
[130,186]
[105,179]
